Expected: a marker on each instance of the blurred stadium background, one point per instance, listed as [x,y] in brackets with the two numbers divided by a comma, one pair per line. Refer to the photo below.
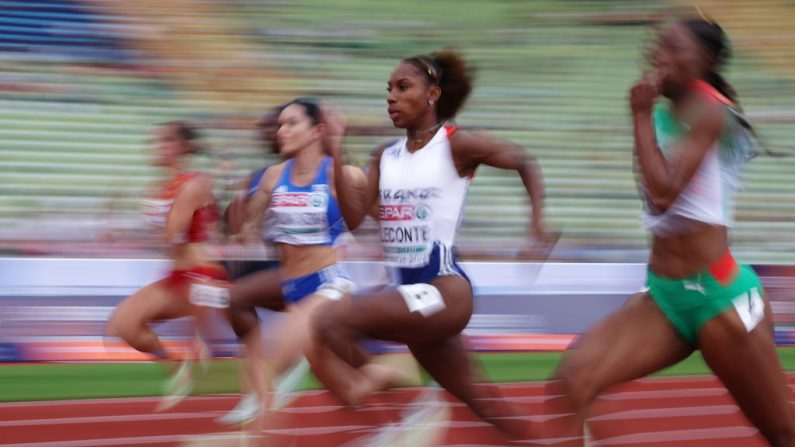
[83,82]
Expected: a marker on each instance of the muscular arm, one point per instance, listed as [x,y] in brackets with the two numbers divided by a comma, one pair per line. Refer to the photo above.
[259,202]
[350,185]
[236,210]
[664,179]
[373,180]
[191,196]
[472,150]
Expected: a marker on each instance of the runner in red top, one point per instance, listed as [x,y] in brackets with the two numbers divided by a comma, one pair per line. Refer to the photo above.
[186,213]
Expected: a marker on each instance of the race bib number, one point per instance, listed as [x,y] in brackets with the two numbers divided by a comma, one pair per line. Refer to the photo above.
[751,308]
[209,296]
[422,298]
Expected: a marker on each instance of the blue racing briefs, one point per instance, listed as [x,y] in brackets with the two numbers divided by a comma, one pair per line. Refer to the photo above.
[441,263]
[296,289]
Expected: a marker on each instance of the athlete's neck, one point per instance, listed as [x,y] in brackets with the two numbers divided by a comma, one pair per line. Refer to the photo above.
[681,97]
[418,136]
[176,169]
[684,105]
[308,159]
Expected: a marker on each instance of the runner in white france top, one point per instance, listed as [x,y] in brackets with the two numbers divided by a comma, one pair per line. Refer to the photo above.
[421,200]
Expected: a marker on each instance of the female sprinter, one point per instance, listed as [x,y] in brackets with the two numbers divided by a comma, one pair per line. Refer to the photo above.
[295,208]
[419,186]
[689,151]
[186,212]
[253,278]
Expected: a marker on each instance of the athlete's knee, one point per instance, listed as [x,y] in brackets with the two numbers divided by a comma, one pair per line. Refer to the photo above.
[243,320]
[124,328]
[139,337]
[328,327]
[351,395]
[111,329]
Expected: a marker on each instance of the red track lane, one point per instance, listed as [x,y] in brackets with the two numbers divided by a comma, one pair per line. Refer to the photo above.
[679,412]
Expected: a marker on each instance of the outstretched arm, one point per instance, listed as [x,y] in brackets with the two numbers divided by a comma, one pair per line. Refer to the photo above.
[471,150]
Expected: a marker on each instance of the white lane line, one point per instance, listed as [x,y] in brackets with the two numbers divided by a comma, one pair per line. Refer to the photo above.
[658,413]
[681,435]
[313,431]
[114,401]
[663,394]
[108,419]
[135,440]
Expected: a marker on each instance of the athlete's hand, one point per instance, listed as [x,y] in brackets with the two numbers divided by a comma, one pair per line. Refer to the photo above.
[643,94]
[335,124]
[539,242]
[537,230]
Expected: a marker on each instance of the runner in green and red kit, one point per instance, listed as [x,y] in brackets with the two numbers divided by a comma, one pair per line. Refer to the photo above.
[689,151]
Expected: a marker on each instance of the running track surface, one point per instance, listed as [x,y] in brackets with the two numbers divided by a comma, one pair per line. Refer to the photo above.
[677,412]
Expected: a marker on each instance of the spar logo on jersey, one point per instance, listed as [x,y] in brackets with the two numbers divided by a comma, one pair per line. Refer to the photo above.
[290,199]
[281,189]
[422,212]
[395,212]
[318,200]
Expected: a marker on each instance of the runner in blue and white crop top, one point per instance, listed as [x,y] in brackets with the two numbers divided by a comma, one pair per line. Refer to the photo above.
[305,215]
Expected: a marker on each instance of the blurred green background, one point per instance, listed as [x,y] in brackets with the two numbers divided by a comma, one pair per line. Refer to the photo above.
[552,76]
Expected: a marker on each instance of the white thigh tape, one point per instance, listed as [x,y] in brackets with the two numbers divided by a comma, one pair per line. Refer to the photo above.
[422,298]
[751,308]
[335,289]
[209,296]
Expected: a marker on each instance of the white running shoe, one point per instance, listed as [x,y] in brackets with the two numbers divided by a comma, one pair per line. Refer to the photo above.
[244,412]
[250,405]
[423,424]
[177,387]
